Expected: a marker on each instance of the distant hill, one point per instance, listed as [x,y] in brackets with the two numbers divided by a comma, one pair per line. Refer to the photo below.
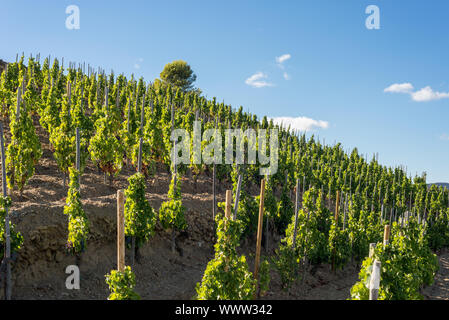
[443,184]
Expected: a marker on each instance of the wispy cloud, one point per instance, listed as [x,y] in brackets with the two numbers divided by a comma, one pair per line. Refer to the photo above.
[301,123]
[137,64]
[256,80]
[280,60]
[445,137]
[400,88]
[422,95]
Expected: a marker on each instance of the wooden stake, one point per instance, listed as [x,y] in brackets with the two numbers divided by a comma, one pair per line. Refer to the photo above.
[228,204]
[98,93]
[303,185]
[19,98]
[69,95]
[142,114]
[344,211]
[129,118]
[386,234]
[237,196]
[106,99]
[266,235]
[142,119]
[372,247]
[375,281]
[259,235]
[175,153]
[120,231]
[139,158]
[7,230]
[214,200]
[337,207]
[117,98]
[172,116]
[382,213]
[78,155]
[296,213]
[24,83]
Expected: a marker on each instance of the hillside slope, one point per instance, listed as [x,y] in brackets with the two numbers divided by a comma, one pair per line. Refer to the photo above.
[39,272]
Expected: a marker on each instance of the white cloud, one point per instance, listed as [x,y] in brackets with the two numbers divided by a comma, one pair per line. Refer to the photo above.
[280,60]
[444,136]
[256,80]
[422,95]
[400,88]
[283,58]
[427,94]
[300,123]
[137,64]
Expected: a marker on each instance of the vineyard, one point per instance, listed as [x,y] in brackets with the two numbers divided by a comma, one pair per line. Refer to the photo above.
[74,138]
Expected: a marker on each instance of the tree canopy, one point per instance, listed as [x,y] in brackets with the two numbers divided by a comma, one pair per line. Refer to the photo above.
[179,74]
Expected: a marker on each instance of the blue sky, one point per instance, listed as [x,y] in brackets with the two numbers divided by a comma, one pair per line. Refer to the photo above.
[337,69]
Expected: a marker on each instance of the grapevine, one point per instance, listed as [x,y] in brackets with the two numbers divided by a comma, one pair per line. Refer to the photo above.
[78,223]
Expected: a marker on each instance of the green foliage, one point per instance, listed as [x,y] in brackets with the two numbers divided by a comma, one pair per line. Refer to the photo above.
[248,207]
[50,111]
[284,213]
[140,218]
[248,213]
[152,135]
[121,285]
[178,74]
[360,290]
[270,201]
[339,245]
[128,132]
[171,213]
[64,146]
[264,275]
[148,163]
[110,123]
[437,233]
[15,236]
[364,228]
[106,149]
[313,229]
[407,264]
[63,141]
[286,263]
[78,224]
[9,81]
[227,276]
[24,151]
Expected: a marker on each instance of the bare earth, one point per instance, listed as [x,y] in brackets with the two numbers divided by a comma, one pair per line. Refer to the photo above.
[39,272]
[440,289]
